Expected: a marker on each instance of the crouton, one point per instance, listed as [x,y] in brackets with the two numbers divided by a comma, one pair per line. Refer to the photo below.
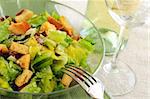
[55,22]
[3,48]
[23,15]
[19,28]
[23,78]
[24,61]
[19,48]
[46,26]
[67,27]
[66,80]
[76,37]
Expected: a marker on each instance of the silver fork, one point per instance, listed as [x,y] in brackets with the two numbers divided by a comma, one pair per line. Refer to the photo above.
[92,85]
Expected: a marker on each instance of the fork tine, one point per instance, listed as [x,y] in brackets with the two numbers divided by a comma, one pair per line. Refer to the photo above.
[79,76]
[84,72]
[84,85]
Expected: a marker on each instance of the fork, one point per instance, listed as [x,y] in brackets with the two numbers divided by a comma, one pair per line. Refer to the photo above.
[92,85]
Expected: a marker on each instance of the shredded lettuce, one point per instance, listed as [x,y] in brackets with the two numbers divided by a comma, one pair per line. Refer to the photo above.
[37,20]
[55,15]
[9,71]
[85,44]
[4,32]
[61,59]
[57,36]
[59,86]
[49,43]
[4,84]
[44,59]
[31,87]
[46,82]
[8,41]
[47,85]
[76,53]
[46,72]
[68,40]
[4,73]
[14,70]
[33,47]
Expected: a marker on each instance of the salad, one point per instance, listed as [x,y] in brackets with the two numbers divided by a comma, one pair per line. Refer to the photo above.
[34,49]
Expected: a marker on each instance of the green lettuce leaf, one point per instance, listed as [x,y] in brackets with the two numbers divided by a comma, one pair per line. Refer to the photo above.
[43,55]
[33,47]
[4,32]
[55,15]
[49,43]
[47,85]
[31,87]
[8,41]
[57,36]
[68,40]
[9,71]
[60,60]
[59,86]
[4,72]
[37,20]
[57,68]
[4,84]
[76,53]
[43,60]
[45,79]
[46,72]
[14,70]
[86,44]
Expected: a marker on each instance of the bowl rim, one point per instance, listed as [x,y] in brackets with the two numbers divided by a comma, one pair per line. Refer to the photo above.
[75,86]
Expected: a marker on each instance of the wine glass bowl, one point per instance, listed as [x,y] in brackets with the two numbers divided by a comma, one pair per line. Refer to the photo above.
[125,9]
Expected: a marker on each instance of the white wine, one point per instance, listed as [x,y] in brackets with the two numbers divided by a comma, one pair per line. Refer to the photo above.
[125,7]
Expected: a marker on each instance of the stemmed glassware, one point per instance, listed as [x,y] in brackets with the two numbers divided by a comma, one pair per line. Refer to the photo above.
[118,77]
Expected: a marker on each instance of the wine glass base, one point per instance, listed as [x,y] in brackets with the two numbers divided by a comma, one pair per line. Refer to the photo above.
[118,81]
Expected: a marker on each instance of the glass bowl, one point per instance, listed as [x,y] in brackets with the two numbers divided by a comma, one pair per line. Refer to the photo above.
[80,23]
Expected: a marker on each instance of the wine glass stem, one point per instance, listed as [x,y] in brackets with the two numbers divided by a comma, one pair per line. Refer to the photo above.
[117,50]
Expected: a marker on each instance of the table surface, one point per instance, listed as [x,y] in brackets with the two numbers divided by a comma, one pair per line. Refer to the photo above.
[137,55]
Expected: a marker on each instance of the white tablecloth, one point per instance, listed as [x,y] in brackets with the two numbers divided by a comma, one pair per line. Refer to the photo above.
[137,55]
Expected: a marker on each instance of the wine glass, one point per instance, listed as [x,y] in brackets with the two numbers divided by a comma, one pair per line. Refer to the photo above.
[118,77]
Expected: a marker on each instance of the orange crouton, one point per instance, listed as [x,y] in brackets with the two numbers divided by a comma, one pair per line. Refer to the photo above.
[67,27]
[55,22]
[76,37]
[19,48]
[47,26]
[19,28]
[24,61]
[3,48]
[23,15]
[66,80]
[23,78]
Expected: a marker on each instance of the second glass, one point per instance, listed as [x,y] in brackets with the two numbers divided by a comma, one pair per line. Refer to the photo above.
[118,77]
